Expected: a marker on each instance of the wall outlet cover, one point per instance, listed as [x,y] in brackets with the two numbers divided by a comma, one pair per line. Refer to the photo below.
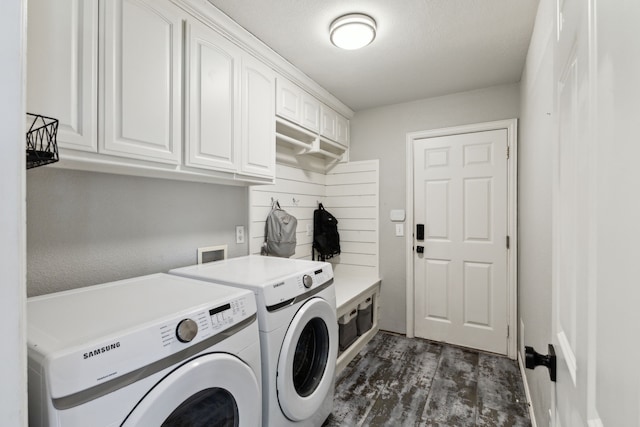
[239,234]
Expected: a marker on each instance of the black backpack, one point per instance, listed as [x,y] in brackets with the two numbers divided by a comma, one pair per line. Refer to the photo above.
[326,240]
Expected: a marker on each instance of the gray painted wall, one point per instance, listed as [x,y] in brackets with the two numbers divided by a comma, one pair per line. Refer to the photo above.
[536,139]
[380,133]
[86,228]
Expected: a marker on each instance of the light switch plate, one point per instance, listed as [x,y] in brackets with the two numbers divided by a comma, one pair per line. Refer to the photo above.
[399,229]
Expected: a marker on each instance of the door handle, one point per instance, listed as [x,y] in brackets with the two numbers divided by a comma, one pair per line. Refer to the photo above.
[420,249]
[533,359]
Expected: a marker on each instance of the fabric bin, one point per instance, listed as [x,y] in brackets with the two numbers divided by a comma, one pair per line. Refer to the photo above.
[364,321]
[347,329]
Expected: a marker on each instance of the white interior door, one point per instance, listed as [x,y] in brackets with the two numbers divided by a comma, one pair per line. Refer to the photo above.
[573,222]
[460,281]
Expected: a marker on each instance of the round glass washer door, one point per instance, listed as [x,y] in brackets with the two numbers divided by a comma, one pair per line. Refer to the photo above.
[215,389]
[307,362]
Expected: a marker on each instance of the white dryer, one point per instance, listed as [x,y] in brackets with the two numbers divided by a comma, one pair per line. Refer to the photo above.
[298,332]
[158,350]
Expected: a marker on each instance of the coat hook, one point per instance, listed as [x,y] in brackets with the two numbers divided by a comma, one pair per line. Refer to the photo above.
[295,202]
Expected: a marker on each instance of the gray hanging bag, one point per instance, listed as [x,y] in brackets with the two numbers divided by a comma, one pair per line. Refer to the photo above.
[279,233]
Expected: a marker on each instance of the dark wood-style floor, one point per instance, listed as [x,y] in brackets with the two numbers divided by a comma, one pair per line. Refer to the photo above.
[399,381]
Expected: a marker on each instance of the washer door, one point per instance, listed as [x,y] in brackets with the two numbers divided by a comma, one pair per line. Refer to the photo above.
[307,361]
[215,389]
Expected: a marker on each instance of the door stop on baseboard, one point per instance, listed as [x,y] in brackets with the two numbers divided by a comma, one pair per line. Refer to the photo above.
[533,359]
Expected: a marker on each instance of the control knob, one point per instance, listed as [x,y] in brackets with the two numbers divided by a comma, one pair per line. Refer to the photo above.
[186,330]
[307,281]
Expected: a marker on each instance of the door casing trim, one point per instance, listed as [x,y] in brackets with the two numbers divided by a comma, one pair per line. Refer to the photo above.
[511,125]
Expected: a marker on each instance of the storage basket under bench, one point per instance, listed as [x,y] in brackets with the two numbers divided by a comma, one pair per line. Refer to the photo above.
[357,300]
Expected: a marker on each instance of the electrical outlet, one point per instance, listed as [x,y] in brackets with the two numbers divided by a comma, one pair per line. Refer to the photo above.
[309,230]
[239,233]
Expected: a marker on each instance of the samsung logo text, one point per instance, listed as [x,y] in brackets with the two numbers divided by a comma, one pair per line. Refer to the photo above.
[100,350]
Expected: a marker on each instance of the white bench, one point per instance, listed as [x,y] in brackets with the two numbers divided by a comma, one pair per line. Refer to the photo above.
[353,286]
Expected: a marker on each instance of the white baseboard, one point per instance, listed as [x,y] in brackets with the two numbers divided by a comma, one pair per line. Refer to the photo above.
[527,394]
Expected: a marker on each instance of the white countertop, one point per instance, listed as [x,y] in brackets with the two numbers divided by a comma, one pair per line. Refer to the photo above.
[352,281]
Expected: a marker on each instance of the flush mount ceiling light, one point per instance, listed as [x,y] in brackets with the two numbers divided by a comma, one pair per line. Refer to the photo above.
[352,31]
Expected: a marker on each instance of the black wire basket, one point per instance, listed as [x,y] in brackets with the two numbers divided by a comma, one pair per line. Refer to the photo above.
[42,148]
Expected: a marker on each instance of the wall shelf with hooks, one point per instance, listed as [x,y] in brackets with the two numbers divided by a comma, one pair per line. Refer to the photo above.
[305,142]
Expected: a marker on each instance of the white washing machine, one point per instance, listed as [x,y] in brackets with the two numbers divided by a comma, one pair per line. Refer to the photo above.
[158,350]
[298,332]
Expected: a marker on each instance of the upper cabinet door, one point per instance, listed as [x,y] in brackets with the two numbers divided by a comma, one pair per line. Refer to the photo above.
[213,114]
[288,100]
[310,112]
[342,130]
[328,119]
[61,73]
[142,80]
[258,125]
[296,105]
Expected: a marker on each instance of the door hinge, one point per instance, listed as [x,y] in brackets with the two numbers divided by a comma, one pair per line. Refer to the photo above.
[508,151]
[508,242]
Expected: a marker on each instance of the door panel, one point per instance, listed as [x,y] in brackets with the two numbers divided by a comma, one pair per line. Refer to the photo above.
[460,195]
[477,209]
[142,81]
[572,220]
[62,74]
[258,124]
[213,115]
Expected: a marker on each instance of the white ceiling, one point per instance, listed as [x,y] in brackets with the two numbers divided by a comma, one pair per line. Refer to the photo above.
[424,48]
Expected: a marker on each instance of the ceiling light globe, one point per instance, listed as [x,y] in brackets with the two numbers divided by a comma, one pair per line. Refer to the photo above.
[352,31]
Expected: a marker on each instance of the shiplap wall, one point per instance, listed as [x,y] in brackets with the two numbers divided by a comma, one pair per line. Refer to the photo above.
[298,192]
[352,197]
[349,191]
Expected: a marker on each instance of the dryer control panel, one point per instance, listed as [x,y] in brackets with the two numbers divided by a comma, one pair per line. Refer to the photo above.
[202,324]
[86,337]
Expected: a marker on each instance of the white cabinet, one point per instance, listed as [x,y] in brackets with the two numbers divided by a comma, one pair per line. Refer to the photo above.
[342,130]
[334,126]
[141,115]
[308,126]
[62,58]
[257,119]
[296,105]
[288,100]
[230,107]
[212,114]
[328,119]
[310,113]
